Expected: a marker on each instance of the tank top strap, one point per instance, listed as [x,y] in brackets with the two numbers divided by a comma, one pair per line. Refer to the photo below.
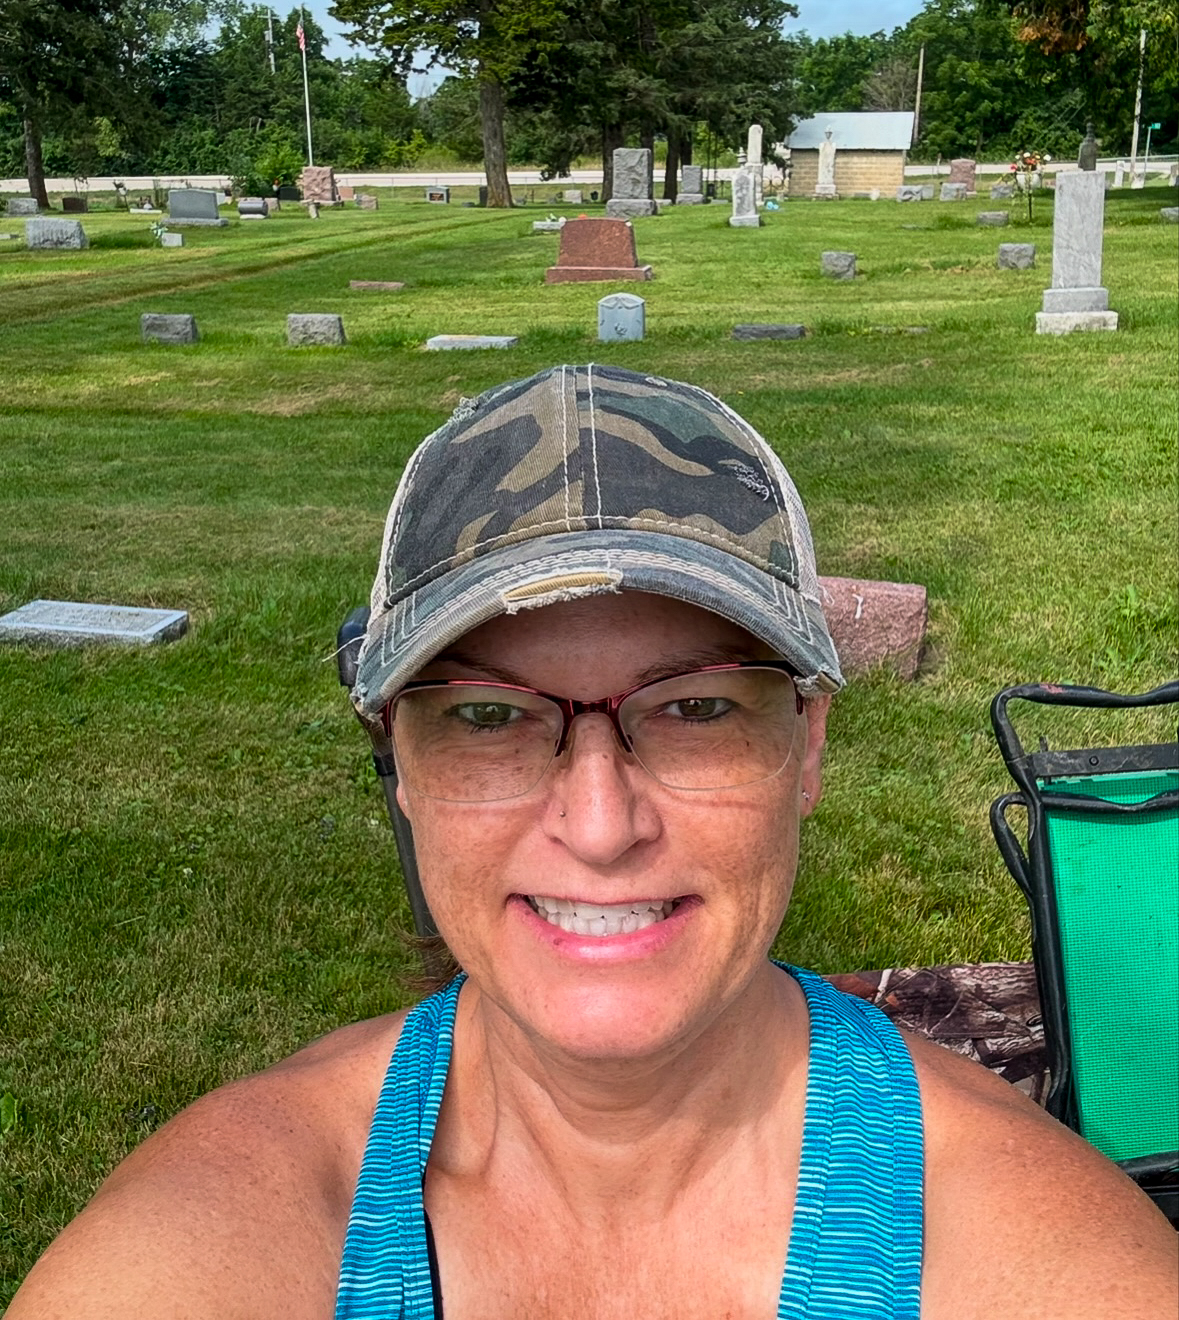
[385,1270]
[856,1240]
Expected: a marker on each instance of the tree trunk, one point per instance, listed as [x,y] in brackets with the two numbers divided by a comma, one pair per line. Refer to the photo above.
[495,157]
[611,138]
[34,165]
[671,169]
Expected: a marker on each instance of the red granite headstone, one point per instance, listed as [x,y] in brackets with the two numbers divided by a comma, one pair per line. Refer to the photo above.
[596,249]
[876,623]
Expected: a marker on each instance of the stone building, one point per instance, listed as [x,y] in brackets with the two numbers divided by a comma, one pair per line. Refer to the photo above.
[870,152]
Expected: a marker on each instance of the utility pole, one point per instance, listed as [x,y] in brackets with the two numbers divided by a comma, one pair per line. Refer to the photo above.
[270,36]
[1138,99]
[917,102]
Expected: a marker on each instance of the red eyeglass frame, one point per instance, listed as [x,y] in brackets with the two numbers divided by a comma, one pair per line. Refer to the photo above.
[571,708]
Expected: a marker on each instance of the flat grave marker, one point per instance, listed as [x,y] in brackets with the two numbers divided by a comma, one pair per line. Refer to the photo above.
[67,623]
[755,330]
[838,265]
[447,343]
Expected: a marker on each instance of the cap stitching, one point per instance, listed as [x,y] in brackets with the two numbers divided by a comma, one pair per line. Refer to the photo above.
[565,443]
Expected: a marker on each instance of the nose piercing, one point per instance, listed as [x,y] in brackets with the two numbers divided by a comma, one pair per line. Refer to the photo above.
[562,814]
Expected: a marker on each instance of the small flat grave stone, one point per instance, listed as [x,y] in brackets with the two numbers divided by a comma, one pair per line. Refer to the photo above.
[171,240]
[547,226]
[366,202]
[901,329]
[1169,214]
[571,196]
[769,331]
[1017,256]
[992,219]
[23,206]
[168,328]
[876,623]
[438,195]
[44,232]
[1002,192]
[621,316]
[953,192]
[927,191]
[5,237]
[386,286]
[59,623]
[444,343]
[315,330]
[347,193]
[838,265]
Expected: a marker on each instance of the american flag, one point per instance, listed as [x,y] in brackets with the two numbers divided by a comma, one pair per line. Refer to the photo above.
[300,35]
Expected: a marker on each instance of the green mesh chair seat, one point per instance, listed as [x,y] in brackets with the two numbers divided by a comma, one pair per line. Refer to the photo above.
[1101,875]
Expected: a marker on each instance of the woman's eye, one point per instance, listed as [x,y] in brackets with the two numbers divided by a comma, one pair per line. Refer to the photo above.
[487,714]
[699,708]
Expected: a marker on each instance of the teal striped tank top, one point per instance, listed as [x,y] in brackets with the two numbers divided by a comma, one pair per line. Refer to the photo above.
[855,1243]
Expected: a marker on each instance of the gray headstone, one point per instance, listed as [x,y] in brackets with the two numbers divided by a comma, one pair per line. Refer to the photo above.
[444,343]
[1120,173]
[60,623]
[755,331]
[690,199]
[909,192]
[1087,155]
[171,240]
[194,206]
[168,328]
[315,329]
[547,226]
[23,206]
[954,192]
[45,231]
[633,173]
[745,214]
[439,195]
[571,196]
[692,178]
[992,219]
[621,316]
[1017,256]
[366,202]
[1170,214]
[627,208]
[1002,192]
[927,191]
[838,265]
[254,208]
[1077,300]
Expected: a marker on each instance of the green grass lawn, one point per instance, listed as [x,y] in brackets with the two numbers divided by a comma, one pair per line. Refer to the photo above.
[196,872]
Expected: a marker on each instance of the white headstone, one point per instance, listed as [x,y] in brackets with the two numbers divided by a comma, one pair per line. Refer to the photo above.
[621,316]
[60,623]
[1138,176]
[439,343]
[1077,300]
[1120,173]
[45,231]
[826,184]
[744,200]
[753,149]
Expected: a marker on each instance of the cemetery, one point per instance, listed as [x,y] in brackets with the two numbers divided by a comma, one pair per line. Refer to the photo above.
[993,500]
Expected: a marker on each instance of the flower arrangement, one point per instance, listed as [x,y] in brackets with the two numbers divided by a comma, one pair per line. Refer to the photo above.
[1026,168]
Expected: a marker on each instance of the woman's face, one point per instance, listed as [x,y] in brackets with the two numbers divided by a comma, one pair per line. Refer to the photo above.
[599,831]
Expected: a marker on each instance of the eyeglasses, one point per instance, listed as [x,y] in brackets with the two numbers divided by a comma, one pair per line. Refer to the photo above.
[719,727]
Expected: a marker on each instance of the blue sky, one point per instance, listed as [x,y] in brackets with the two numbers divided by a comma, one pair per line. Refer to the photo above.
[821,18]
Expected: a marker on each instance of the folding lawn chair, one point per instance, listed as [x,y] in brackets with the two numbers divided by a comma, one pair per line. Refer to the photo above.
[1101,877]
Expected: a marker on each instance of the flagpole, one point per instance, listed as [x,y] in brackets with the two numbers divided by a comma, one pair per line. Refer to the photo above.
[306,91]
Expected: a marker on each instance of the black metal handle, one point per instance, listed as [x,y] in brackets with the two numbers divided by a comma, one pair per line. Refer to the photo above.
[1009,846]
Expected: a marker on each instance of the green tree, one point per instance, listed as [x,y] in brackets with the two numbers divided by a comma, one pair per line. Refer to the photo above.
[833,73]
[490,40]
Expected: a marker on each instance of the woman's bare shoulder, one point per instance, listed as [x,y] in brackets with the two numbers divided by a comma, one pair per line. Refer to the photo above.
[1017,1206]
[236,1207]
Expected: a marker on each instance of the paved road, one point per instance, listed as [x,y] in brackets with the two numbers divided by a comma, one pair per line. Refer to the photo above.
[141,183]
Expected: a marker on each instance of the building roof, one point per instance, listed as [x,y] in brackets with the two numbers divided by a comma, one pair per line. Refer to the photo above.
[890,130]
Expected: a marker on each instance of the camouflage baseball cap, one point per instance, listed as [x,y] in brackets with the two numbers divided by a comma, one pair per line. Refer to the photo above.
[582,480]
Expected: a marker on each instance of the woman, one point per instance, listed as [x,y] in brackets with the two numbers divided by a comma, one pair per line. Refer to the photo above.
[597,655]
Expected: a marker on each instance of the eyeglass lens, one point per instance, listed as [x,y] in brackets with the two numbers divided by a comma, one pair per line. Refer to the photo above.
[469,742]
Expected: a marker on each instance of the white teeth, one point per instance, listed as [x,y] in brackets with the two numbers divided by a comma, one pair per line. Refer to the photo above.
[596,919]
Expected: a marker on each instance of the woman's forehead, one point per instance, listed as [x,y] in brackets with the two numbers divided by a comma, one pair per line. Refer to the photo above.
[641,628]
